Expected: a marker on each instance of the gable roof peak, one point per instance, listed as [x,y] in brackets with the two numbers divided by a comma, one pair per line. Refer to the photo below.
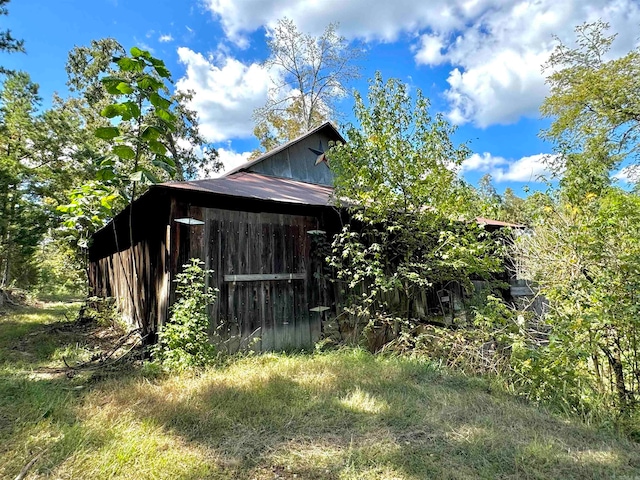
[325,126]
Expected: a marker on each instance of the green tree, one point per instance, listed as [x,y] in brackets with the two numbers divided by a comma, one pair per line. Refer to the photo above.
[277,127]
[309,75]
[412,224]
[8,43]
[22,220]
[595,108]
[141,117]
[490,202]
[584,250]
[88,65]
[586,261]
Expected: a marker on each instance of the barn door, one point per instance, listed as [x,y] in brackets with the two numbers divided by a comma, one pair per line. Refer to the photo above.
[264,277]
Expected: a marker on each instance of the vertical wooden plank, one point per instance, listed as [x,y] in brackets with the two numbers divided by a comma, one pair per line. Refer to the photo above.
[211,238]
[243,288]
[276,290]
[225,291]
[296,332]
[316,289]
[303,265]
[287,321]
[165,287]
[299,311]
[196,235]
[253,265]
[267,267]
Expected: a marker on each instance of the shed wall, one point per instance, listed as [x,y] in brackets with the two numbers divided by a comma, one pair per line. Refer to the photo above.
[141,293]
[264,270]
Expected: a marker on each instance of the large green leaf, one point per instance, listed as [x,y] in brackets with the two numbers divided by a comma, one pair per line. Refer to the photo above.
[163,71]
[157,147]
[151,132]
[165,163]
[105,174]
[107,133]
[138,52]
[147,82]
[114,110]
[133,111]
[124,151]
[130,65]
[149,177]
[166,115]
[159,102]
[111,84]
[125,88]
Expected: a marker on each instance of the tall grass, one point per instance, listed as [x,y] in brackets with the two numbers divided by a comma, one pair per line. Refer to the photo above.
[338,415]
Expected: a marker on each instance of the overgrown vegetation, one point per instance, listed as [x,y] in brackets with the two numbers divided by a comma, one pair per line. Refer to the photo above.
[584,250]
[411,226]
[345,414]
[84,158]
[581,253]
[411,230]
[183,342]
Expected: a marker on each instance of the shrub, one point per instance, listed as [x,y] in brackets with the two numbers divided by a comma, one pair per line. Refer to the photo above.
[183,342]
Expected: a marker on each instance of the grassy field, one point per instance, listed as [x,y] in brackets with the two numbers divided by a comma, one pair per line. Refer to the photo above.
[338,415]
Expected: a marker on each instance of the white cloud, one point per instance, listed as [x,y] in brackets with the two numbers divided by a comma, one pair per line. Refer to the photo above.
[165,38]
[430,50]
[495,47]
[525,169]
[366,19]
[231,159]
[499,57]
[226,91]
[629,174]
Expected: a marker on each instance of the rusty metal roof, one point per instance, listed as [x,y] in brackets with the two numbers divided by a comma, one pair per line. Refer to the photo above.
[276,189]
[260,187]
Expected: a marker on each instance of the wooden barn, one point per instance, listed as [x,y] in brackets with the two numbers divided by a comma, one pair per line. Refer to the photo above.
[254,227]
[257,228]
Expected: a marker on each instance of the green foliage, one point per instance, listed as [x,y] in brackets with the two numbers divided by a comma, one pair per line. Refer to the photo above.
[137,86]
[584,250]
[91,205]
[595,107]
[586,260]
[412,227]
[183,342]
[8,43]
[60,272]
[23,218]
[277,126]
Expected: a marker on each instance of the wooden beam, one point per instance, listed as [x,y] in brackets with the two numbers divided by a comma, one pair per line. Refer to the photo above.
[262,277]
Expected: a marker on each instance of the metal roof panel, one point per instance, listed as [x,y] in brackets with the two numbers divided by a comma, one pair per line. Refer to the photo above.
[260,187]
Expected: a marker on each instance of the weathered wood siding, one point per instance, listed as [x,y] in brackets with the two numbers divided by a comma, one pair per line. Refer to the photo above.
[259,308]
[299,162]
[142,295]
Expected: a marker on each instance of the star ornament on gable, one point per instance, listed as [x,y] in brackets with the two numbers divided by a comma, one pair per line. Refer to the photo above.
[321,156]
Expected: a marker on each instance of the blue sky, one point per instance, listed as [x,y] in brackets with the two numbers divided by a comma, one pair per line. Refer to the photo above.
[479,61]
